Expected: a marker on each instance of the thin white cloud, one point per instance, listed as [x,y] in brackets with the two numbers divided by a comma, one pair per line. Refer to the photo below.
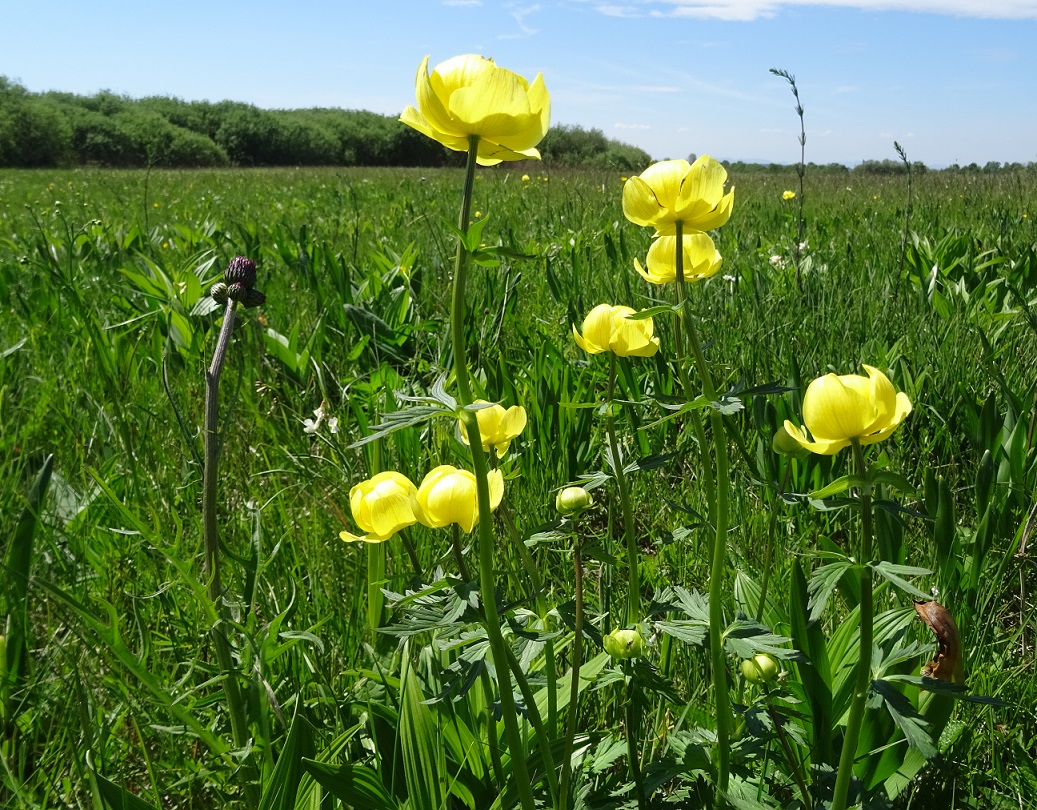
[462,2]
[746,10]
[655,88]
[519,14]
[623,12]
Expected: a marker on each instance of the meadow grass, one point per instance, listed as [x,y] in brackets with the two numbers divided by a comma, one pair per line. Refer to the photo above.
[103,343]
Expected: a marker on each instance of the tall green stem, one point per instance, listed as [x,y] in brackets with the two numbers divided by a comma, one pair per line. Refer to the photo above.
[718,568]
[633,557]
[862,678]
[211,538]
[574,685]
[630,720]
[480,467]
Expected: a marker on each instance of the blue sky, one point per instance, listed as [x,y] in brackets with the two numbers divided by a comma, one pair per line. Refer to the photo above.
[948,79]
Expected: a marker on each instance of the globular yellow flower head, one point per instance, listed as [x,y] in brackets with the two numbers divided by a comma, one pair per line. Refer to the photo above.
[701,259]
[838,410]
[497,426]
[788,195]
[609,328]
[382,506]
[674,191]
[448,495]
[469,95]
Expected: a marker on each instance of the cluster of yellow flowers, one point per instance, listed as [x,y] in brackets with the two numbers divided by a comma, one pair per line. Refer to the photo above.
[389,501]
[470,97]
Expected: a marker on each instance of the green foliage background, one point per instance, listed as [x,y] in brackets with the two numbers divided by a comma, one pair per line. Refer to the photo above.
[103,341]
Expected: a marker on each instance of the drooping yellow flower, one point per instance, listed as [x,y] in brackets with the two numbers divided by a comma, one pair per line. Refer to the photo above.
[788,195]
[840,409]
[674,191]
[701,259]
[497,426]
[381,506]
[609,328]
[525,178]
[449,495]
[470,95]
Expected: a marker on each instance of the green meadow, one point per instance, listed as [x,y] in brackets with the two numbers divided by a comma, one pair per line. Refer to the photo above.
[363,667]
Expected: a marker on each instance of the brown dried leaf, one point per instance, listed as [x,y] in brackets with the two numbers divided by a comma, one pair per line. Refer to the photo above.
[947,665]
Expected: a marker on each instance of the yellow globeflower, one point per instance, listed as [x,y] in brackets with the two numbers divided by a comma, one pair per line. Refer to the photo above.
[788,195]
[608,328]
[701,259]
[448,495]
[469,95]
[840,409]
[674,191]
[497,426]
[381,506]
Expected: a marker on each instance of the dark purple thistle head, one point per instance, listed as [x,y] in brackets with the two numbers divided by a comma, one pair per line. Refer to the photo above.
[241,271]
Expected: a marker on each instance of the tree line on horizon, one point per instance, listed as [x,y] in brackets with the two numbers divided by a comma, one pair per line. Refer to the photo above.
[52,129]
[63,129]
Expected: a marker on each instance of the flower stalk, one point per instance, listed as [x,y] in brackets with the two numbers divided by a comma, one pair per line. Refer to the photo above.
[719,512]
[633,614]
[574,685]
[211,538]
[481,469]
[862,677]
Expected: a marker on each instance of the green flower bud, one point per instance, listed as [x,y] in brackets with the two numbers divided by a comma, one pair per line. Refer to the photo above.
[784,445]
[760,668]
[624,644]
[573,500]
[219,292]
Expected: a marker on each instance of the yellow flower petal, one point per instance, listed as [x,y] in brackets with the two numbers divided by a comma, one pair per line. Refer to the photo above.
[471,96]
[838,410]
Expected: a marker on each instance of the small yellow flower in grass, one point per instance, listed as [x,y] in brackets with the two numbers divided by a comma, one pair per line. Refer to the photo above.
[608,328]
[525,178]
[470,95]
[674,191]
[497,426]
[788,195]
[838,410]
[701,259]
[382,506]
[448,495]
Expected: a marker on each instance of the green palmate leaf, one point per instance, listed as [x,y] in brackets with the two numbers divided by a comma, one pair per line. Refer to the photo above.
[404,418]
[282,784]
[355,785]
[837,487]
[727,405]
[653,462]
[692,604]
[117,797]
[745,638]
[952,690]
[895,573]
[823,583]
[914,728]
